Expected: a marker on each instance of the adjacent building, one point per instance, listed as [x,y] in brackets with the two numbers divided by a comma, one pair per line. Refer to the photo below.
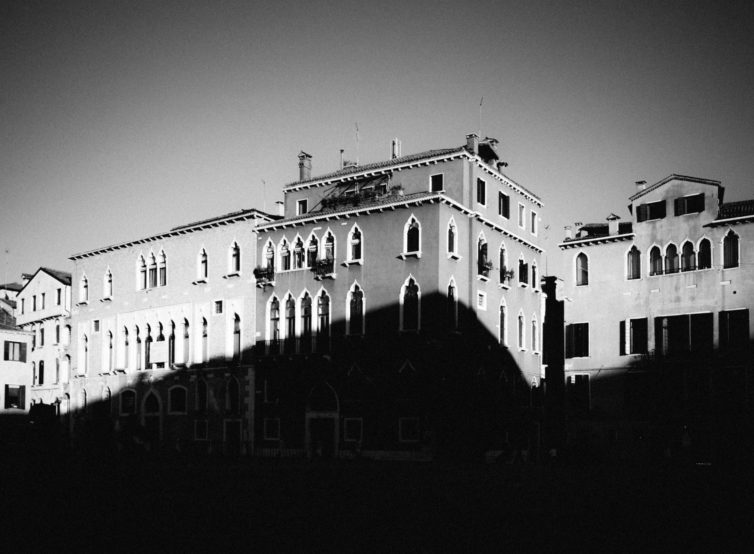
[658,316]
[162,330]
[399,310]
[15,376]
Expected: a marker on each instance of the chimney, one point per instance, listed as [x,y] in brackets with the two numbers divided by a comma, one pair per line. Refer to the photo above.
[304,166]
[612,224]
[640,185]
[396,150]
[341,158]
[281,207]
[472,143]
[568,232]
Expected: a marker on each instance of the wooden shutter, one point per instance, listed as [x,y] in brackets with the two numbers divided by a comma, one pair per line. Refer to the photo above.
[23,352]
[6,350]
[622,335]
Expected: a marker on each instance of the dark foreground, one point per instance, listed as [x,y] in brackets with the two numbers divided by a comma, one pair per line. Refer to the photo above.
[92,502]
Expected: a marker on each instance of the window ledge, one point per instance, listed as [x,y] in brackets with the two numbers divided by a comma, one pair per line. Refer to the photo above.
[484,278]
[523,285]
[83,303]
[405,255]
[106,299]
[453,256]
[504,286]
[232,275]
[352,262]
[199,281]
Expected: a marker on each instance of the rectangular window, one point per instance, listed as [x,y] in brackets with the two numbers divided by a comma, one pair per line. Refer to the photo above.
[481,300]
[41,337]
[689,204]
[682,334]
[58,297]
[218,307]
[436,183]
[302,206]
[14,351]
[734,329]
[271,428]
[504,205]
[481,192]
[353,429]
[34,303]
[408,429]
[15,397]
[577,340]
[521,216]
[23,305]
[636,341]
[96,325]
[43,300]
[652,210]
[533,222]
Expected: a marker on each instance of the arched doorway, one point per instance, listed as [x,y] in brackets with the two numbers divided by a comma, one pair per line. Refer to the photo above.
[322,416]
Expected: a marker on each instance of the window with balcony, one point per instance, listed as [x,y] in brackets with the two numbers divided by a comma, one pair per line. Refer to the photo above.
[202,266]
[506,272]
[285,256]
[483,264]
[312,251]
[298,254]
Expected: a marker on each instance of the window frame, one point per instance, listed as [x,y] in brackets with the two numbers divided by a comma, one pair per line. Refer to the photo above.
[302,206]
[406,228]
[432,187]
[481,191]
[503,205]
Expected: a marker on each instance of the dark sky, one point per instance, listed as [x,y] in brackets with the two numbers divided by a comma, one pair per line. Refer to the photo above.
[123,119]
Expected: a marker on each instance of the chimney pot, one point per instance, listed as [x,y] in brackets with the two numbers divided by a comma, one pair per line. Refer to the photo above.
[396,149]
[641,185]
[472,143]
[280,207]
[304,166]
[568,232]
[612,224]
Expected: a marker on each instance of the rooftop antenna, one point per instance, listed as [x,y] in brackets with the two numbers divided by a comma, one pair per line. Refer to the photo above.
[264,196]
[357,143]
[480,116]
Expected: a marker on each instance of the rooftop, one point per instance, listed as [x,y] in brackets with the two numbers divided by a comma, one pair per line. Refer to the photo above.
[12,286]
[741,208]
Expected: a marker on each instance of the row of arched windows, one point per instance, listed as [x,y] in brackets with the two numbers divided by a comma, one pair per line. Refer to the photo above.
[670,260]
[534,339]
[506,273]
[136,344]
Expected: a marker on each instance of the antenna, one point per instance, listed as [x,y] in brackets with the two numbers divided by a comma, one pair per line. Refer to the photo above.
[357,143]
[264,196]
[480,116]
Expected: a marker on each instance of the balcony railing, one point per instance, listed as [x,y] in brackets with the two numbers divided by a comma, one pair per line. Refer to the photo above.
[264,275]
[323,269]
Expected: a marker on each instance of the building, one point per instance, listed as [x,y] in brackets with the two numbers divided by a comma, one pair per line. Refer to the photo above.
[44,310]
[399,308]
[15,372]
[162,333]
[8,292]
[658,317]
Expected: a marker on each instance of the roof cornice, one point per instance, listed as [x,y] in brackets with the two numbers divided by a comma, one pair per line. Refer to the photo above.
[730,221]
[596,240]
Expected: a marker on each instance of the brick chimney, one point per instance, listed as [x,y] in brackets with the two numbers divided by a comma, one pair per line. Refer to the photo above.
[304,166]
[472,143]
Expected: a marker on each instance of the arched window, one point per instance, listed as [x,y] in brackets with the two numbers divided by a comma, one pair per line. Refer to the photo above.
[534,335]
[110,352]
[57,332]
[232,396]
[177,400]
[452,306]
[203,265]
[171,345]
[205,340]
[152,271]
[521,332]
[186,341]
[704,257]
[163,269]
[236,337]
[355,310]
[306,322]
[633,264]
[285,256]
[671,259]
[534,276]
[329,246]
[412,233]
[582,270]
[85,354]
[483,265]
[57,371]
[269,255]
[410,320]
[730,250]
[655,261]
[34,375]
[202,396]
[148,348]
[83,404]
[84,289]
[125,348]
[290,324]
[323,320]
[151,404]
[139,365]
[274,334]
[142,265]
[355,245]
[235,258]
[298,254]
[505,271]
[688,257]
[503,323]
[452,237]
[312,251]
[41,373]
[108,285]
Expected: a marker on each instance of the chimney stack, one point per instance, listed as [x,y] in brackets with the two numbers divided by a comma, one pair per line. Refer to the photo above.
[568,232]
[641,185]
[396,150]
[612,224]
[304,166]
[280,207]
[341,158]
[472,143]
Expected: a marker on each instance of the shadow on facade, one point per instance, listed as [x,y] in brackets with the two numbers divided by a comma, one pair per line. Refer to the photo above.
[446,391]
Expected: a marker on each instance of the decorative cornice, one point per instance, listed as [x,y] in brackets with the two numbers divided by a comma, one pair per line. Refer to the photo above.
[596,240]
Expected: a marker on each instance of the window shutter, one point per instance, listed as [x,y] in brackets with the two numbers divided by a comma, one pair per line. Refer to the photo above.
[622,334]
[642,212]
[678,206]
[23,352]
[569,341]
[6,351]
[7,398]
